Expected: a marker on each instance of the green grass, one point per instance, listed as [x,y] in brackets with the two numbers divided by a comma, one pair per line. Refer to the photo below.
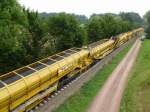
[137,95]
[80,101]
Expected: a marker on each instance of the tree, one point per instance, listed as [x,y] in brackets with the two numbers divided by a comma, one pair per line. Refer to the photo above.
[94,29]
[66,30]
[37,32]
[12,33]
[147,21]
[105,26]
[134,19]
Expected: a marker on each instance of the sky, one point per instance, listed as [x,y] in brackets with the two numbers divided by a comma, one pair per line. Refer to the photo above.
[88,7]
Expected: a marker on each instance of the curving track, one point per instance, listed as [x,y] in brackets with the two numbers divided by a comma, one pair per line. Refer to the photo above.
[109,97]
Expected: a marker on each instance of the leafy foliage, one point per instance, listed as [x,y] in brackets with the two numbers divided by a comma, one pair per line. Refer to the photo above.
[147,20]
[133,18]
[67,31]
[105,26]
[12,33]
[82,18]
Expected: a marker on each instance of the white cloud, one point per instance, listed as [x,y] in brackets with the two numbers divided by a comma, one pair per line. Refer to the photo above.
[87,7]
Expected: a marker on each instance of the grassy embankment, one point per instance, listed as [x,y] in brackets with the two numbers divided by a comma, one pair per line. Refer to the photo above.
[137,94]
[80,101]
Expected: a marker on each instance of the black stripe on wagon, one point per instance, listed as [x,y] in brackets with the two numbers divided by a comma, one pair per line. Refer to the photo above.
[1,85]
[37,66]
[25,71]
[48,61]
[10,78]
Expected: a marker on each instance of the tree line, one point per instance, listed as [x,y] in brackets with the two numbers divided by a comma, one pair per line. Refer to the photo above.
[147,24]
[27,36]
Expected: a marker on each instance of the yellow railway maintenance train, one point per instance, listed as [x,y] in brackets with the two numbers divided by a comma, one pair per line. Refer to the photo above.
[24,88]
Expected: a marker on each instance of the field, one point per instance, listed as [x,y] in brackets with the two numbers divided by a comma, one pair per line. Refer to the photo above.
[80,101]
[137,94]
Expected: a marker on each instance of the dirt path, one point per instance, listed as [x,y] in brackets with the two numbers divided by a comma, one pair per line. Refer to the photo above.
[109,97]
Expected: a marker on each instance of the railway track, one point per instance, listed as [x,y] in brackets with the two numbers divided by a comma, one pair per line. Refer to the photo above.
[109,97]
[61,95]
